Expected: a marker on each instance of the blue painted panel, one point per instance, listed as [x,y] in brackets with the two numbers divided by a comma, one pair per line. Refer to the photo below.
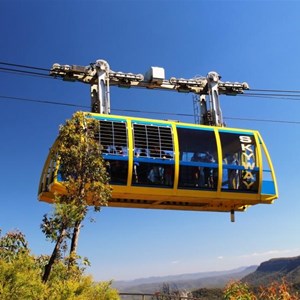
[195,127]
[138,122]
[154,160]
[111,119]
[198,164]
[114,157]
[236,131]
[268,187]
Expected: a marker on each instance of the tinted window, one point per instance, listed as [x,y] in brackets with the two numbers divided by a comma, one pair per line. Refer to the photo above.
[240,171]
[198,158]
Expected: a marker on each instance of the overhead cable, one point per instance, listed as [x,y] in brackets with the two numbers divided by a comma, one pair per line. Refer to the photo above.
[18,69]
[141,111]
[42,101]
[273,97]
[24,66]
[23,72]
[276,91]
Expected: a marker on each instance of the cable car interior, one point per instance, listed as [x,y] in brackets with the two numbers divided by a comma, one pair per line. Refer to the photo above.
[159,164]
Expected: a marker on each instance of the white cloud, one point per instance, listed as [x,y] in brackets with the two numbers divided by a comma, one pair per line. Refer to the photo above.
[272,253]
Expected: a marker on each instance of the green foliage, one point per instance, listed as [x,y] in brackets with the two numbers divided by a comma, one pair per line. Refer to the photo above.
[278,291]
[275,291]
[81,163]
[236,290]
[170,292]
[70,283]
[84,172]
[208,293]
[20,278]
[63,216]
[85,180]
[12,244]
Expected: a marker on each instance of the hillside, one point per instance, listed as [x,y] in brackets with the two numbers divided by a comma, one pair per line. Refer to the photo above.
[184,281]
[276,269]
[209,285]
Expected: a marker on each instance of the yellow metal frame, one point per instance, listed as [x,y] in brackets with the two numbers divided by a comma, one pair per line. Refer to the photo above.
[171,198]
[268,157]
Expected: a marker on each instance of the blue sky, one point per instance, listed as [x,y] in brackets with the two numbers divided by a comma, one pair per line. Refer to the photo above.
[253,41]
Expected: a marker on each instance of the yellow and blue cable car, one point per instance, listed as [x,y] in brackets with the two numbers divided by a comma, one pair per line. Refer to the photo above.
[172,165]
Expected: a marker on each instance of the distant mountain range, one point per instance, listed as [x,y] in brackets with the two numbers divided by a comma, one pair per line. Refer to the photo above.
[183,281]
[256,276]
[274,270]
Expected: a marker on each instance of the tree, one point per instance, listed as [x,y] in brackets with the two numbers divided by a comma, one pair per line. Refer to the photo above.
[20,276]
[85,180]
[11,244]
[236,290]
[169,293]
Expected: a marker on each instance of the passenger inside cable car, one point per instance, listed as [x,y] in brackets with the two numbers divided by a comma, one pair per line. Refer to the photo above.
[153,156]
[240,171]
[198,159]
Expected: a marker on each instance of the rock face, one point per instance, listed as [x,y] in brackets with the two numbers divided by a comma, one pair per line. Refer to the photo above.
[284,265]
[276,269]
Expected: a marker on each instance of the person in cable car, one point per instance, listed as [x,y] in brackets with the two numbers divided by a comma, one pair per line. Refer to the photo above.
[198,171]
[209,172]
[155,175]
[233,174]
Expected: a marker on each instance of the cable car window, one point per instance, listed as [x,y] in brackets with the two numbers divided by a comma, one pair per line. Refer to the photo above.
[240,170]
[153,155]
[48,176]
[112,137]
[198,167]
[268,184]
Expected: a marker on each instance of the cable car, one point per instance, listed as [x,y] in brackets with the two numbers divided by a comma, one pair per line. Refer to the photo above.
[172,165]
[168,164]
